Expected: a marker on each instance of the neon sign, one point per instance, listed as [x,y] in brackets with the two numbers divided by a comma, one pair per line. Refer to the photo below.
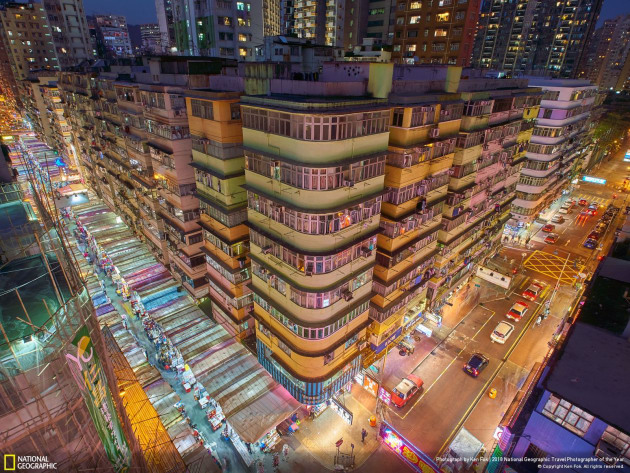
[418,460]
[594,180]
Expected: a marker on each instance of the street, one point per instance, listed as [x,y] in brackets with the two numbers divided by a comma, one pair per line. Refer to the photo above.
[452,399]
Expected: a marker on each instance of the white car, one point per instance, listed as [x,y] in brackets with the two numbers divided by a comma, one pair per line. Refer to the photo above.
[502,332]
[563,211]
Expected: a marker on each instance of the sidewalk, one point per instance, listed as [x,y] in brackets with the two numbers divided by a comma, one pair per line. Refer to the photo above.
[318,436]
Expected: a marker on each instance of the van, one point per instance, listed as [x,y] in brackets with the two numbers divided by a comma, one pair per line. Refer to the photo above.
[406,389]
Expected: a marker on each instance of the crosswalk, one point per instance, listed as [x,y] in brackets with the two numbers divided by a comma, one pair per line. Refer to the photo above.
[590,199]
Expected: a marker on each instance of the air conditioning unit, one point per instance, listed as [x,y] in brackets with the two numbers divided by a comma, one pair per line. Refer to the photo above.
[366,252]
[267,249]
[348,183]
[347,295]
[434,133]
[362,345]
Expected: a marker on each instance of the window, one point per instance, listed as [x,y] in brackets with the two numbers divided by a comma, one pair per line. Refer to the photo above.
[375,23]
[224,20]
[328,358]
[442,17]
[454,46]
[201,109]
[376,11]
[413,20]
[351,341]
[235,111]
[440,32]
[397,48]
[426,33]
[415,5]
[438,47]
[242,37]
[412,34]
[400,20]
[568,415]
[618,439]
[411,47]
[460,15]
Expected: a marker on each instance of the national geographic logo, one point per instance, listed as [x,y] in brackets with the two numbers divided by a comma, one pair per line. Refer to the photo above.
[21,463]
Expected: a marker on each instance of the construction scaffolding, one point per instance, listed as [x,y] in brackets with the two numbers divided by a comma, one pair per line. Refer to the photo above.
[58,395]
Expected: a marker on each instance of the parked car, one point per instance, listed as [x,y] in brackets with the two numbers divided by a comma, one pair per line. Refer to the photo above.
[583,202]
[557,219]
[594,236]
[476,364]
[590,244]
[533,291]
[564,211]
[406,389]
[551,238]
[502,332]
[517,311]
[548,228]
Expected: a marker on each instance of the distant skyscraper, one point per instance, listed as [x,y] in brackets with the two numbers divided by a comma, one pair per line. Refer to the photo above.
[164,9]
[20,21]
[606,61]
[151,38]
[535,36]
[435,32]
[218,28]
[112,32]
[321,21]
[70,31]
[272,17]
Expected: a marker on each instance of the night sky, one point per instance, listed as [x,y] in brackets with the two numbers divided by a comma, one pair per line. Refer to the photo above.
[143,11]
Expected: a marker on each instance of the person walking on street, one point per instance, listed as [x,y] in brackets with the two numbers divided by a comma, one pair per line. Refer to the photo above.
[363,435]
[539,320]
[285,451]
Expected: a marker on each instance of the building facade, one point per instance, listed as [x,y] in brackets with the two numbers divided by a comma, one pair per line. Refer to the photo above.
[558,146]
[28,39]
[607,60]
[219,163]
[219,29]
[534,37]
[321,22]
[70,32]
[164,10]
[435,32]
[151,38]
[113,34]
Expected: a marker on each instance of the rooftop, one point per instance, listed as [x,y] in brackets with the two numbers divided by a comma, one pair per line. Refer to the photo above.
[591,372]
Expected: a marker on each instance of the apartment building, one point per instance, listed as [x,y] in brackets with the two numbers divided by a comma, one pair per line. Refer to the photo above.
[425,122]
[558,145]
[135,145]
[534,37]
[218,161]
[314,182]
[70,32]
[27,38]
[319,21]
[606,62]
[435,32]
[218,28]
[151,38]
[164,10]
[489,150]
[112,35]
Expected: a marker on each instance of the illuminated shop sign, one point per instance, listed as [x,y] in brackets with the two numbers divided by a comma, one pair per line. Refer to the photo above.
[418,460]
[594,180]
[626,158]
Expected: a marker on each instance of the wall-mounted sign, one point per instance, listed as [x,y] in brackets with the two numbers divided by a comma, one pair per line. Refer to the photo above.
[370,385]
[340,409]
[626,158]
[384,395]
[417,460]
[594,180]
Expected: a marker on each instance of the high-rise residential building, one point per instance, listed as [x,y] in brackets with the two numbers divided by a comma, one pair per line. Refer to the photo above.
[503,38]
[219,162]
[219,29]
[27,38]
[435,32]
[557,147]
[320,21]
[287,20]
[314,182]
[70,32]
[151,38]
[607,60]
[272,17]
[164,10]
[112,32]
[534,37]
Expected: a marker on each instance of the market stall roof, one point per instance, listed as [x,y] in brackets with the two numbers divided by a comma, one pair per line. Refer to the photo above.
[72,189]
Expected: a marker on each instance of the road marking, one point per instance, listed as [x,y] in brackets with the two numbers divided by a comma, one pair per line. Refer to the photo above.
[462,421]
[425,391]
[567,242]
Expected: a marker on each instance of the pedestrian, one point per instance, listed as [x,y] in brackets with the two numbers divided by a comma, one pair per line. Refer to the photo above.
[276,460]
[285,451]
[363,435]
[312,414]
[539,320]
[249,447]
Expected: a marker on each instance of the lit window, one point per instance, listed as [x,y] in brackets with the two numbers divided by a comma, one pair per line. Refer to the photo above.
[242,37]
[240,6]
[442,16]
[440,32]
[414,20]
[411,47]
[242,52]
[415,5]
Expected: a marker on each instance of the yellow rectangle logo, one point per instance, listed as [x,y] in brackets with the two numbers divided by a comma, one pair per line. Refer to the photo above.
[9,462]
